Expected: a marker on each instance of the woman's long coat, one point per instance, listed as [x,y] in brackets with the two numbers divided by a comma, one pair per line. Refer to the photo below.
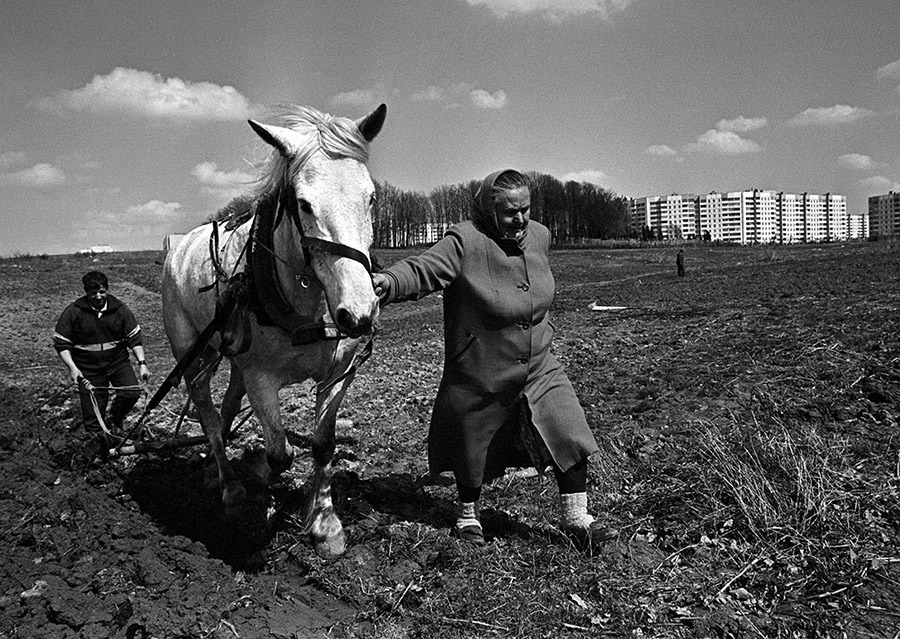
[497,339]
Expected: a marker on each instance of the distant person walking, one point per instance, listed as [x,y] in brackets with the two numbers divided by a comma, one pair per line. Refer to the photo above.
[679,262]
[92,338]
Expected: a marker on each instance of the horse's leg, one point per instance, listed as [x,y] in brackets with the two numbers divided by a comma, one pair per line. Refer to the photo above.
[322,522]
[231,402]
[263,394]
[232,490]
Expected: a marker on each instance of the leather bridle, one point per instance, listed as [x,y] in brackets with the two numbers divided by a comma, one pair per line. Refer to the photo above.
[287,202]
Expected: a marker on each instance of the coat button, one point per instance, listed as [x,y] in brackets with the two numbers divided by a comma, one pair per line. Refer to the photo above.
[524,325]
[523,360]
[523,286]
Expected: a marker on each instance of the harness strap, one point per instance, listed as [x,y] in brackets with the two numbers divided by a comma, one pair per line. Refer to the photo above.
[260,267]
[269,301]
[359,358]
[271,305]
[341,250]
[289,204]
[221,275]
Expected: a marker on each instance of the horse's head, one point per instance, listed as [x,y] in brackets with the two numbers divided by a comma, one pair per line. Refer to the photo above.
[320,161]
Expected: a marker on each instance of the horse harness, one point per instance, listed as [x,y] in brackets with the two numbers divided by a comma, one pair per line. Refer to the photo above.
[258,289]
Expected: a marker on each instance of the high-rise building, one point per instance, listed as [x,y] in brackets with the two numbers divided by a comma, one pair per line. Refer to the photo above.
[744,217]
[884,215]
[858,226]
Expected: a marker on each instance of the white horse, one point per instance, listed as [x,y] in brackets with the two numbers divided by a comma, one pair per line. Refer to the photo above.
[307,247]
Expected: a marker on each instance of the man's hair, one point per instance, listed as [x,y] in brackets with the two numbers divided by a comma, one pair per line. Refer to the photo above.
[93,280]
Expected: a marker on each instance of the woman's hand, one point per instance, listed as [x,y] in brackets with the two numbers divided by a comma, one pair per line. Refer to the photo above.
[382,285]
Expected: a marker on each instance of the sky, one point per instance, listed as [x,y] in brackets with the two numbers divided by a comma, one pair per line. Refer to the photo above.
[122,121]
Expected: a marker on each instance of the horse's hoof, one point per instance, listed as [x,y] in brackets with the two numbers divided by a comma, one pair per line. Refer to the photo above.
[233,494]
[280,465]
[331,547]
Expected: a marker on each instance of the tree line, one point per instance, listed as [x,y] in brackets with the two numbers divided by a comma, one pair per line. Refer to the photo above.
[571,210]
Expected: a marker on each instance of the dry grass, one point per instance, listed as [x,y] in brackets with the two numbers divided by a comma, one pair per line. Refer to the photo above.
[779,483]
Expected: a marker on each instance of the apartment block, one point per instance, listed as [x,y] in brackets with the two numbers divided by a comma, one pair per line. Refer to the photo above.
[858,227]
[744,217]
[884,215]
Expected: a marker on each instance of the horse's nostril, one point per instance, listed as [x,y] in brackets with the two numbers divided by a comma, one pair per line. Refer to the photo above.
[351,325]
[345,320]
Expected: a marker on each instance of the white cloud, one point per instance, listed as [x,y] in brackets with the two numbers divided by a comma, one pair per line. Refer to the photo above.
[554,9]
[881,184]
[478,98]
[431,94]
[153,210]
[857,161]
[223,186]
[358,98]
[149,95]
[208,174]
[838,114]
[12,158]
[889,71]
[741,124]
[591,176]
[40,175]
[484,100]
[660,150]
[722,142]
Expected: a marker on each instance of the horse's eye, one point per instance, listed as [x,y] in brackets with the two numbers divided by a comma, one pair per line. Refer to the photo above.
[305,206]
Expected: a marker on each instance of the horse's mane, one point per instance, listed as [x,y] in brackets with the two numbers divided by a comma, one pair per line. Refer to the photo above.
[337,137]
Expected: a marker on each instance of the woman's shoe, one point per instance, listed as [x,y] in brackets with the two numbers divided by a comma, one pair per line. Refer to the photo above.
[592,537]
[468,526]
[579,526]
[471,533]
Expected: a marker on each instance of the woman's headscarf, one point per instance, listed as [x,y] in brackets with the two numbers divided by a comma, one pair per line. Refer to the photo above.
[485,217]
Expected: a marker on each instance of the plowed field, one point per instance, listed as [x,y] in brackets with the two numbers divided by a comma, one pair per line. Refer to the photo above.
[748,420]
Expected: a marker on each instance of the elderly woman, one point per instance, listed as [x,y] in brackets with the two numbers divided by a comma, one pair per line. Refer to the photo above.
[504,399]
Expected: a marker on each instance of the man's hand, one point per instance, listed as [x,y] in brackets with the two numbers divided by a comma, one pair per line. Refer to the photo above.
[83,382]
[144,371]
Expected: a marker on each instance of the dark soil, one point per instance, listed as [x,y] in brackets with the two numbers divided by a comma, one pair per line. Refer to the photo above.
[748,419]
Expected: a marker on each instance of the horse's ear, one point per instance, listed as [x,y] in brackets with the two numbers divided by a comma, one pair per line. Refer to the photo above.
[371,124]
[281,138]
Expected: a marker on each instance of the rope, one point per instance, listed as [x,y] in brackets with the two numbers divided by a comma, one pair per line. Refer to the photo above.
[359,358]
[97,413]
[136,387]
[182,415]
[90,388]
